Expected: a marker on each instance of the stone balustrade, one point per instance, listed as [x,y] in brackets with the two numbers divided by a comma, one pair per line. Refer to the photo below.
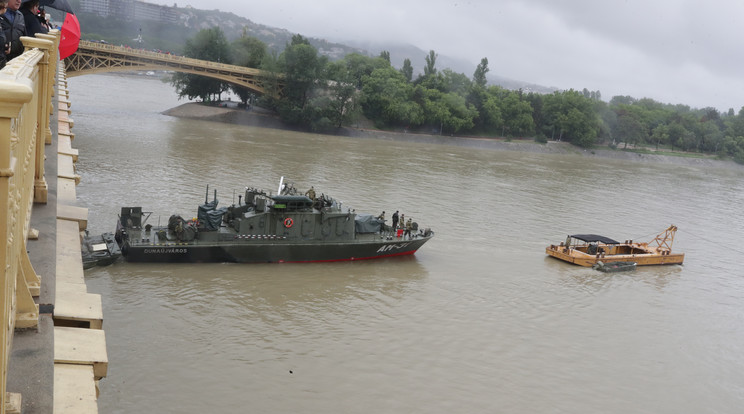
[73,348]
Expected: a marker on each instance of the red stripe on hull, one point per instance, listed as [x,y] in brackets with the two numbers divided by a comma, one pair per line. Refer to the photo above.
[351,259]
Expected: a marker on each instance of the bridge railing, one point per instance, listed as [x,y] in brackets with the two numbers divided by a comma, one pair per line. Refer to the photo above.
[26,87]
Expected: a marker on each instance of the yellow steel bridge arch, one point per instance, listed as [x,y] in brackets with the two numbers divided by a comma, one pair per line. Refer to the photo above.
[92,57]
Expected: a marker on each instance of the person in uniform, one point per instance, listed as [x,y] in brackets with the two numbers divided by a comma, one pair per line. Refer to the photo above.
[381,218]
[409,226]
[311,193]
[395,220]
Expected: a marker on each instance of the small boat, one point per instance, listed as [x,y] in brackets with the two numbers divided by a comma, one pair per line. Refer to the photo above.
[614,266]
[99,250]
[589,249]
[266,228]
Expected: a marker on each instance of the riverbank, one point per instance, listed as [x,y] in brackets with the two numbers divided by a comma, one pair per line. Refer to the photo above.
[258,117]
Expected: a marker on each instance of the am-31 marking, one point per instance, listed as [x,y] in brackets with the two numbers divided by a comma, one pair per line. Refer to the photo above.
[388,247]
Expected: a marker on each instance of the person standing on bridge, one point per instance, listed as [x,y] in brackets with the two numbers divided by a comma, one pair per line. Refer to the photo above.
[30,11]
[3,42]
[14,27]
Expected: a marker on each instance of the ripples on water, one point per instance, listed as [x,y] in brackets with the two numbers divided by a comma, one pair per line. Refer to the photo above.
[480,320]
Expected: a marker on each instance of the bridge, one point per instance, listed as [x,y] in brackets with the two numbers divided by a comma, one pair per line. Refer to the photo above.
[92,57]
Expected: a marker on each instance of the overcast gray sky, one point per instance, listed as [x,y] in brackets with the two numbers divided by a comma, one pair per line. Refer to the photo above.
[673,51]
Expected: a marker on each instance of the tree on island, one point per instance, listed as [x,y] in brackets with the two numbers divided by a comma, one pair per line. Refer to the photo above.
[247,52]
[207,44]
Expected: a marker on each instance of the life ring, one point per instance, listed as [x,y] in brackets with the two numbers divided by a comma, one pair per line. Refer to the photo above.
[288,222]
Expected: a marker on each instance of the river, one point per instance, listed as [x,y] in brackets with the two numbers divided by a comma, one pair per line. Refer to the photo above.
[479,320]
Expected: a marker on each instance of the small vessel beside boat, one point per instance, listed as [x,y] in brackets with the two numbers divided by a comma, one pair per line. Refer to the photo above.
[100,250]
[261,228]
[589,249]
[613,267]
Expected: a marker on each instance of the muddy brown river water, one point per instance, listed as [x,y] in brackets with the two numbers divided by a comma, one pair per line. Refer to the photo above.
[480,320]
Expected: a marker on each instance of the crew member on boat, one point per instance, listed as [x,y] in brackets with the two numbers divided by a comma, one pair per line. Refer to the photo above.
[381,218]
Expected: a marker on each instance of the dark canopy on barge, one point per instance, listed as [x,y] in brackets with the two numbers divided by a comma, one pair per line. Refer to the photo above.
[594,238]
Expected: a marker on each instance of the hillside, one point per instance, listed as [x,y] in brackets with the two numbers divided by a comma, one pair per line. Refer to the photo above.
[171,37]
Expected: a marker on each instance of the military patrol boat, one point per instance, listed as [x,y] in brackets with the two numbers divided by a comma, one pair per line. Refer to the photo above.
[287,227]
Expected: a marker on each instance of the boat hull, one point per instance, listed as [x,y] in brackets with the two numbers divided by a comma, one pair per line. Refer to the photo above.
[267,252]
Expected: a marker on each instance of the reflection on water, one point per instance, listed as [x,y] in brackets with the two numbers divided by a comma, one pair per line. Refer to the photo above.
[589,280]
[480,320]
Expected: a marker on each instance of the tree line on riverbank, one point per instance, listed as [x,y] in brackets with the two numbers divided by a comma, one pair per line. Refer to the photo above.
[320,95]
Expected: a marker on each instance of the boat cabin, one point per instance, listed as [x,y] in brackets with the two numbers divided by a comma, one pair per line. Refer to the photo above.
[287,203]
[596,244]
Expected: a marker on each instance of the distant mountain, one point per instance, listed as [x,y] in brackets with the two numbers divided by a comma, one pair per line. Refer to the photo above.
[171,36]
[400,51]
[275,38]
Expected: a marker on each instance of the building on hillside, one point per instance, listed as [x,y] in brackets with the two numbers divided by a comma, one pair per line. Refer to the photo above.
[99,7]
[149,11]
[130,10]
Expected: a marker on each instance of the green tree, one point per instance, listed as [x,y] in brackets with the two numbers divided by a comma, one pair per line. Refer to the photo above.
[407,70]
[450,81]
[711,138]
[538,115]
[386,99]
[660,135]
[303,70]
[479,77]
[207,44]
[431,64]
[572,117]
[735,125]
[358,66]
[461,114]
[677,134]
[445,111]
[622,100]
[272,81]
[342,97]
[385,55]
[630,127]
[607,120]
[491,116]
[249,52]
[517,115]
